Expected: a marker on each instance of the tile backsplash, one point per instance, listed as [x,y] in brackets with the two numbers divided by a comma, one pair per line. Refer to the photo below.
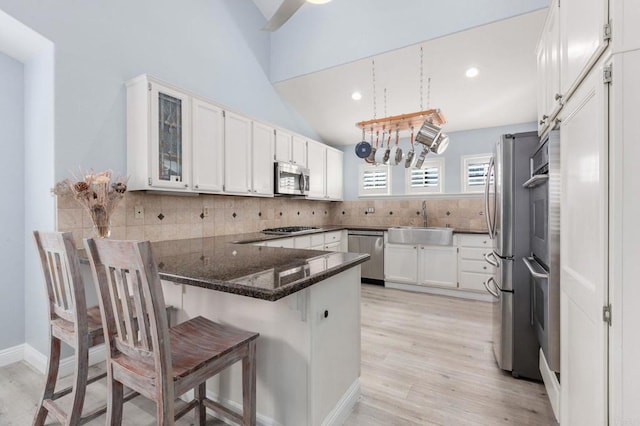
[169,217]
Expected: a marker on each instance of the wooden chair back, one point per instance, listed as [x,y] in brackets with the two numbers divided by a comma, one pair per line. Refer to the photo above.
[63,282]
[131,300]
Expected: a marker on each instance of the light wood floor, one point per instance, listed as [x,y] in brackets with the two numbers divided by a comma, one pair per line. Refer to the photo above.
[426,360]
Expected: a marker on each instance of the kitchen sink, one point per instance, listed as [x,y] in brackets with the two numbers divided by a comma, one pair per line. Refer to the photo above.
[432,236]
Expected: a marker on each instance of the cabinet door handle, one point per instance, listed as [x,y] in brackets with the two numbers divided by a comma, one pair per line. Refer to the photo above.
[558,96]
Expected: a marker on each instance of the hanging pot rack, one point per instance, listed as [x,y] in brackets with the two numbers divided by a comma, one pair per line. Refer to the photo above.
[403,122]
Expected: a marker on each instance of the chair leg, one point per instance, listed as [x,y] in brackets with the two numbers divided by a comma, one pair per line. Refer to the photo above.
[50,382]
[80,382]
[201,410]
[115,391]
[249,386]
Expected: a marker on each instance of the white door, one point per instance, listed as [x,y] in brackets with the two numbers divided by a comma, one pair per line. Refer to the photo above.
[334,174]
[237,153]
[317,161]
[582,38]
[584,253]
[262,163]
[438,266]
[401,263]
[208,147]
[283,146]
[299,151]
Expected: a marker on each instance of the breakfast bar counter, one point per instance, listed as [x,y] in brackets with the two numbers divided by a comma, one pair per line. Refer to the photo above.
[304,303]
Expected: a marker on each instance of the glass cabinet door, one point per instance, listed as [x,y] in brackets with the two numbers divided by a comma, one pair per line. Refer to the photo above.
[170,138]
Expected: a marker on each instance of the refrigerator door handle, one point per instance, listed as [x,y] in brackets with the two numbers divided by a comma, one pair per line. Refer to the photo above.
[486,198]
[529,262]
[493,262]
[494,292]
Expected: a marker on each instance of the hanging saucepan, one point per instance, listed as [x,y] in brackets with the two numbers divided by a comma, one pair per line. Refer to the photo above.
[371,158]
[411,153]
[387,152]
[380,152]
[428,134]
[396,152]
[441,144]
[363,149]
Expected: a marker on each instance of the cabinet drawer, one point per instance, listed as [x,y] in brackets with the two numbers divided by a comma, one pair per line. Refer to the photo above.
[302,242]
[479,266]
[472,281]
[317,239]
[331,237]
[473,253]
[473,240]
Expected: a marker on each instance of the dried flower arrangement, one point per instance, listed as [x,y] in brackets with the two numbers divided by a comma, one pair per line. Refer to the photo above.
[98,193]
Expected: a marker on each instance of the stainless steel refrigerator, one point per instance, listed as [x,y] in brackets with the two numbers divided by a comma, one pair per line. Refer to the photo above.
[507,211]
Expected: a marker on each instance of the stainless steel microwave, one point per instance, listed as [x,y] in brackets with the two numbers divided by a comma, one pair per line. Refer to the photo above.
[291,179]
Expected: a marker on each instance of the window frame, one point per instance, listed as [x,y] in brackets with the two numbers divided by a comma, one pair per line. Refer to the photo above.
[469,159]
[438,163]
[362,192]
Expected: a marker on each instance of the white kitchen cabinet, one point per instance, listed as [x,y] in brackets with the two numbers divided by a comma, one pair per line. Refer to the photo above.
[158,136]
[584,36]
[281,242]
[290,148]
[237,154]
[248,152]
[585,268]
[208,147]
[334,174]
[473,270]
[261,164]
[625,30]
[302,242]
[548,69]
[325,172]
[437,266]
[401,263]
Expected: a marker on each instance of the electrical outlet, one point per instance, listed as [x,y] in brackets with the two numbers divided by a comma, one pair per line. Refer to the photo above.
[138,212]
[205,211]
[371,209]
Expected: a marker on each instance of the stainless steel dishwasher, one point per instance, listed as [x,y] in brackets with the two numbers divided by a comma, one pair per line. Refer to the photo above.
[371,242]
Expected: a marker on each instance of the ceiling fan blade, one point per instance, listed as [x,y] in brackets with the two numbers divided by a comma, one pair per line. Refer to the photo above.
[282,15]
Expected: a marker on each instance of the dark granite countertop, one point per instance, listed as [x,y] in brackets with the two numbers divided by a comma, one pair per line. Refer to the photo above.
[267,273]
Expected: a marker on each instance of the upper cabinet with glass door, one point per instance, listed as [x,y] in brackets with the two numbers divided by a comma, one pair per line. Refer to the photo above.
[158,136]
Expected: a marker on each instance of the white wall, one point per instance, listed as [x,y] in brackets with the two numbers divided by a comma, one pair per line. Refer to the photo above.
[320,37]
[214,48]
[12,211]
[468,142]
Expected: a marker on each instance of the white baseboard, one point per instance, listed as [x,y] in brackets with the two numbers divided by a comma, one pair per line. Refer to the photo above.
[38,360]
[261,420]
[551,384]
[482,297]
[343,408]
[11,355]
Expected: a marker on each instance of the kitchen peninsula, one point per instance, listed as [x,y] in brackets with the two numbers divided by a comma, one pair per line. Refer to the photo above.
[304,303]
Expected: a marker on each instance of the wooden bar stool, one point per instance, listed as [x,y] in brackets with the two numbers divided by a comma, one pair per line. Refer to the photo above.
[69,321]
[159,362]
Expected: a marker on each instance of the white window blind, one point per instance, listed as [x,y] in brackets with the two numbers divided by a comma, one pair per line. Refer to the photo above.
[428,179]
[374,180]
[474,169]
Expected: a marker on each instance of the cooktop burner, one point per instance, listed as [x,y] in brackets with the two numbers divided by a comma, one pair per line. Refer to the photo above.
[288,230]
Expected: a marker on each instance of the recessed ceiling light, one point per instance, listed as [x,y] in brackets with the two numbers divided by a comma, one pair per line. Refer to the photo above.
[318,1]
[472,72]
[356,96]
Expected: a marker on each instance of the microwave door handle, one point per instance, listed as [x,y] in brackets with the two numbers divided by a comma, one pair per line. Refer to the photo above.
[301,183]
[306,182]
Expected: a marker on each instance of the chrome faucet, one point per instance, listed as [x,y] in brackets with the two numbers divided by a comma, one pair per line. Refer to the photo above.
[424,213]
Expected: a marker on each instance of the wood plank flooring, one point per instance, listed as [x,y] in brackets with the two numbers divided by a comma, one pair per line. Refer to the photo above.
[426,360]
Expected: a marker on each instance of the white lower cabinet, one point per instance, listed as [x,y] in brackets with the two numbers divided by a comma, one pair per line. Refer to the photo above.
[437,266]
[401,263]
[473,270]
[460,267]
